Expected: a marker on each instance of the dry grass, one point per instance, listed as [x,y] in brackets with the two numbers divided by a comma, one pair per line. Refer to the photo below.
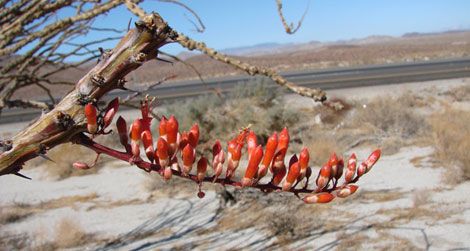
[69,234]
[460,94]
[19,211]
[450,135]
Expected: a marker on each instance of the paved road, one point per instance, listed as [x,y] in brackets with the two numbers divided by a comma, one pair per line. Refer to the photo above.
[325,79]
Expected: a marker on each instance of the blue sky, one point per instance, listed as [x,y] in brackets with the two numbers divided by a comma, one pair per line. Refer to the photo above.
[235,23]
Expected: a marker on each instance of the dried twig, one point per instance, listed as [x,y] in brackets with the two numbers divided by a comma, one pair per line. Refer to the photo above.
[201,28]
[289,28]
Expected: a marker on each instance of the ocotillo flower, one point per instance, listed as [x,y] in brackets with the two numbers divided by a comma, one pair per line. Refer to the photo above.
[189,157]
[193,135]
[351,169]
[183,141]
[339,169]
[110,111]
[162,152]
[324,177]
[234,154]
[292,175]
[252,142]
[304,157]
[136,132]
[167,171]
[172,133]
[145,108]
[122,130]
[318,198]
[90,114]
[333,162]
[373,158]
[346,191]
[218,159]
[148,144]
[277,178]
[278,161]
[252,168]
[162,127]
[283,140]
[362,169]
[271,147]
[201,169]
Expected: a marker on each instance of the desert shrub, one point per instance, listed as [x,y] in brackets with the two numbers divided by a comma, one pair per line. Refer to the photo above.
[392,122]
[390,116]
[450,134]
[461,93]
[256,103]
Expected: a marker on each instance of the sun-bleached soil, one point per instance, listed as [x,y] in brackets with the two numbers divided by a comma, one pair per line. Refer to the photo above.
[402,204]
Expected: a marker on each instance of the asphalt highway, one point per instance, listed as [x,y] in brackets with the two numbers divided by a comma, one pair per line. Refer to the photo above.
[327,79]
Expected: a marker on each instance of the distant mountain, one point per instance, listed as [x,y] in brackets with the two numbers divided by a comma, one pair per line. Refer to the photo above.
[422,34]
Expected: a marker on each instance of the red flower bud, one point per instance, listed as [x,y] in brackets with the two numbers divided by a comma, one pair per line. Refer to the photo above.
[324,177]
[373,158]
[292,175]
[283,139]
[136,131]
[193,135]
[184,140]
[252,142]
[252,168]
[172,130]
[122,130]
[188,159]
[201,169]
[162,152]
[333,162]
[90,114]
[318,198]
[146,119]
[111,110]
[148,144]
[346,191]
[339,169]
[351,169]
[279,175]
[278,161]
[162,127]
[234,156]
[304,157]
[362,169]
[271,146]
[218,159]
[167,171]
[81,165]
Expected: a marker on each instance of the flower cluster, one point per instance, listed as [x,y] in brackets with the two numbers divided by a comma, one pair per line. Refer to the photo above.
[174,153]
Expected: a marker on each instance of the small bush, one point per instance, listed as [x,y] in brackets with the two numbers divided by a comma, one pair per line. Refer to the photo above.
[450,134]
[389,116]
[254,103]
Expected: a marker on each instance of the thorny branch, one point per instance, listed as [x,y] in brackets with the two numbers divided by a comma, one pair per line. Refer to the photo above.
[289,28]
[190,44]
[67,120]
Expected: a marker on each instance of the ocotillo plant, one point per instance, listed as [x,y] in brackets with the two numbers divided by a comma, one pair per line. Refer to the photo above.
[76,118]
[174,153]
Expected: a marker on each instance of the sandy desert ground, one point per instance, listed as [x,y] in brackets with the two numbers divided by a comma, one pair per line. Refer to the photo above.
[404,203]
